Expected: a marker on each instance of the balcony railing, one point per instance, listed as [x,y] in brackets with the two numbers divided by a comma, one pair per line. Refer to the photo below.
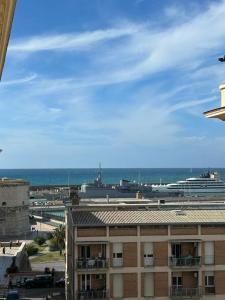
[185,261]
[210,290]
[117,262]
[91,263]
[92,294]
[180,292]
[148,261]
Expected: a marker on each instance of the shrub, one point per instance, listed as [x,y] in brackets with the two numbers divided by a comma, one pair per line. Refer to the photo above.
[32,249]
[49,236]
[53,244]
[40,240]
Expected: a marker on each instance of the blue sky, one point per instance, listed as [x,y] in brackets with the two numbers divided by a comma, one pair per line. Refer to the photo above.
[121,82]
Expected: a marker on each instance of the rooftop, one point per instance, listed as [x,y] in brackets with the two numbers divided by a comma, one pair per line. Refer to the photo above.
[9,182]
[145,217]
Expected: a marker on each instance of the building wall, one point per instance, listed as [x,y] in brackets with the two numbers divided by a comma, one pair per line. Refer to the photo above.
[160,253]
[161,284]
[14,209]
[179,230]
[219,250]
[115,231]
[220,282]
[130,285]
[130,254]
[133,270]
[91,232]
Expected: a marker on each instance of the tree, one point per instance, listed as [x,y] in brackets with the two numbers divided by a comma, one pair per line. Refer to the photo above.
[59,236]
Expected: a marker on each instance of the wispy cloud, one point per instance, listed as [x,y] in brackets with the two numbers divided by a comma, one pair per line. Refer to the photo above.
[70,41]
[19,81]
[159,75]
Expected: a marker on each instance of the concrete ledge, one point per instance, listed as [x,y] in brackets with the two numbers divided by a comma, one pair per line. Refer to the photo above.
[218,113]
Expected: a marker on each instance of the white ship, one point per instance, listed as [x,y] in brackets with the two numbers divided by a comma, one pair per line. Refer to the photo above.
[208,183]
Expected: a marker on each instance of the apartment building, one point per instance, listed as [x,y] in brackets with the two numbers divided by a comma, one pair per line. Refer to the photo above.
[128,252]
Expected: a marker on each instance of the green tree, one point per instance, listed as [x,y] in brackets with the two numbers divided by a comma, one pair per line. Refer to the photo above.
[59,236]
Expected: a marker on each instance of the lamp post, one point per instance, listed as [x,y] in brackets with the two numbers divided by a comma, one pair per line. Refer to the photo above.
[221,59]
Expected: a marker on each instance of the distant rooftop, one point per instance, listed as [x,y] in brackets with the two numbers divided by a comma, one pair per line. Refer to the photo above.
[7,182]
[145,217]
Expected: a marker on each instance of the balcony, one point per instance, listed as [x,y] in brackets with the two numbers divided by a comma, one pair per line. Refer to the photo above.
[210,290]
[177,262]
[117,262]
[180,292]
[92,294]
[91,263]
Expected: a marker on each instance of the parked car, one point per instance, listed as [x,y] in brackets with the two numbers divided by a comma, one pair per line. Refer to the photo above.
[60,282]
[39,281]
[12,295]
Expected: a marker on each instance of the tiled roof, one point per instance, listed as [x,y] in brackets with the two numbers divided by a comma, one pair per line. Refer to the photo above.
[107,217]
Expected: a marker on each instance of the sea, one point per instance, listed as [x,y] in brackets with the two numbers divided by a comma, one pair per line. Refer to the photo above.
[109,175]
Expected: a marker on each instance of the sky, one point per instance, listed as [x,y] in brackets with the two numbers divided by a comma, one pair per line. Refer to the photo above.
[121,82]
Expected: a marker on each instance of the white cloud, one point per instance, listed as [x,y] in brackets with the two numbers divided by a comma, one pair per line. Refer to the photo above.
[68,42]
[19,81]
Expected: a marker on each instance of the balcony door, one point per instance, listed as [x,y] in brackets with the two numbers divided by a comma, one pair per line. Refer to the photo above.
[176,250]
[177,281]
[85,252]
[85,282]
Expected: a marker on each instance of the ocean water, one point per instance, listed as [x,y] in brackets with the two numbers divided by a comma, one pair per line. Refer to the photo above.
[109,175]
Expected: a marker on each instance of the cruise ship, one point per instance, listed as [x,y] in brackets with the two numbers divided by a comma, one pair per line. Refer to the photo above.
[208,183]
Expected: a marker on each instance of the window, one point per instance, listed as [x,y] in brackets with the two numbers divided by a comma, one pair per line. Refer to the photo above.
[117,285]
[148,285]
[117,254]
[209,253]
[177,281]
[148,254]
[176,250]
[209,283]
[85,252]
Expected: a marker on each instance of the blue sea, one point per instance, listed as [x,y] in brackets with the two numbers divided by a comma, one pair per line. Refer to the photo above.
[109,175]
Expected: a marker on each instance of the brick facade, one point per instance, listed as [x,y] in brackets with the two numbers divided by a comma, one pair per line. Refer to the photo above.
[122,231]
[130,254]
[220,282]
[130,285]
[160,253]
[91,232]
[154,230]
[161,284]
[178,230]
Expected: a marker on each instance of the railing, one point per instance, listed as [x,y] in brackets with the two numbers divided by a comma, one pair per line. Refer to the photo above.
[148,261]
[185,261]
[117,262]
[178,292]
[92,294]
[91,263]
[210,290]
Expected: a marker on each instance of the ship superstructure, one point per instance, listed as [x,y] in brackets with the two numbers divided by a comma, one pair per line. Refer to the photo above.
[208,183]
